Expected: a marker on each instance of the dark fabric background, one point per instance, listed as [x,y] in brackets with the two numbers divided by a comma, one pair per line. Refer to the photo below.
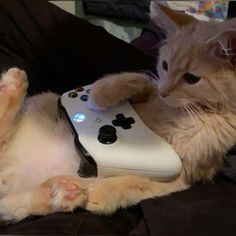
[129,10]
[60,52]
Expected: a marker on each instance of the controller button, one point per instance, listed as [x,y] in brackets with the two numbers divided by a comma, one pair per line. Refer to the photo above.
[84,98]
[79,117]
[72,94]
[79,89]
[122,121]
[107,134]
[97,120]
[88,91]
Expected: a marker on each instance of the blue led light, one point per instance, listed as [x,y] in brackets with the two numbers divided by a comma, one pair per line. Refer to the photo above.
[78,117]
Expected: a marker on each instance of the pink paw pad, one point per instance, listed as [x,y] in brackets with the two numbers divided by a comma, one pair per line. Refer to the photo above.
[72,190]
[68,193]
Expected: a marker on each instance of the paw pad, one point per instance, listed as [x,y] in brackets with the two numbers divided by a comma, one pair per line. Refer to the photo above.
[68,194]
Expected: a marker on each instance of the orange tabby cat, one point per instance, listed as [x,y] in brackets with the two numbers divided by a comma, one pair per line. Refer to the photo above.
[193,107]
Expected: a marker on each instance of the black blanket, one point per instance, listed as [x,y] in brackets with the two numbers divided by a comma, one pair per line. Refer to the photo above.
[60,52]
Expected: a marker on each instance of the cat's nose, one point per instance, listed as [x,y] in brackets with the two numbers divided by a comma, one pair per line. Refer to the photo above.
[164,95]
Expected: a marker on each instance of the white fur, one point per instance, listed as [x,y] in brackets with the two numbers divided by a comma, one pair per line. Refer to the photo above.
[16,207]
[39,147]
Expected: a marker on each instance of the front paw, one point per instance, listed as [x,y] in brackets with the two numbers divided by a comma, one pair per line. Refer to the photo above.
[105,196]
[116,88]
[100,202]
[102,94]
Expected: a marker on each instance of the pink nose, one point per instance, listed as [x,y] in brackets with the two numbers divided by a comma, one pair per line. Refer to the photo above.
[164,95]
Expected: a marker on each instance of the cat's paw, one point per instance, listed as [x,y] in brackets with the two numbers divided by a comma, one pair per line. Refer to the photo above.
[106,93]
[116,88]
[67,193]
[101,203]
[99,98]
[104,197]
[13,83]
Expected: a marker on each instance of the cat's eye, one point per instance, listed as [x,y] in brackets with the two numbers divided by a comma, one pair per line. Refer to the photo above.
[165,65]
[190,78]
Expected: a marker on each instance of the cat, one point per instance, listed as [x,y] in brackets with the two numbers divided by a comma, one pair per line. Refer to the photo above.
[192,106]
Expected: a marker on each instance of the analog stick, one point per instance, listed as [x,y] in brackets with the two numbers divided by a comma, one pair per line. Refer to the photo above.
[107,134]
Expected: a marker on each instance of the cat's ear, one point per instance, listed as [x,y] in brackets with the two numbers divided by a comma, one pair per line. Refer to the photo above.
[224,42]
[168,19]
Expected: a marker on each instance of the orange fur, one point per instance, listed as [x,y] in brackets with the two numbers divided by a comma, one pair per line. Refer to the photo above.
[198,119]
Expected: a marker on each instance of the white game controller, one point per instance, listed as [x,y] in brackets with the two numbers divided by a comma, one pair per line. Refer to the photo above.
[116,141]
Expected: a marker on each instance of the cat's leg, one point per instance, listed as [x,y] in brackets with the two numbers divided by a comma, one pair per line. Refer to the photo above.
[109,194]
[60,193]
[112,89]
[13,86]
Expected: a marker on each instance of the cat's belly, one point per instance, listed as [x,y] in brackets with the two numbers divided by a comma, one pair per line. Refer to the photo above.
[35,155]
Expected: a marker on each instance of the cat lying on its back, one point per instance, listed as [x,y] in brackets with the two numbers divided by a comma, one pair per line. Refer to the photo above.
[194,109]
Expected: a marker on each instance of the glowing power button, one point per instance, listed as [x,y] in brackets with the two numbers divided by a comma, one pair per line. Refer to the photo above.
[78,117]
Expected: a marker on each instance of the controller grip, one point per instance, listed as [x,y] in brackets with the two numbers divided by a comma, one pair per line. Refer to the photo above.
[88,167]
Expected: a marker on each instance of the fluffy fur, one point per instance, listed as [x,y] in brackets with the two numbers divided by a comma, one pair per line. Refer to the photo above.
[192,107]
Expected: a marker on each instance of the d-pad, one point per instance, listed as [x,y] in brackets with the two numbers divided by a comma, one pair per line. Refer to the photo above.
[122,121]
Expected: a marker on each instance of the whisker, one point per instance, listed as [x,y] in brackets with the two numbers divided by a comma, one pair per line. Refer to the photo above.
[194,112]
[189,109]
[189,112]
[206,104]
[202,114]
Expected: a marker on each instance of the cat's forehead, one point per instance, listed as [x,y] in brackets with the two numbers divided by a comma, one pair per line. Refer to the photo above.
[179,55]
[184,41]
[192,35]
[187,48]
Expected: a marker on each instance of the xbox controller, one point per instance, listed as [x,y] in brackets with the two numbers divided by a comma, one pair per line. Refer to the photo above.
[116,141]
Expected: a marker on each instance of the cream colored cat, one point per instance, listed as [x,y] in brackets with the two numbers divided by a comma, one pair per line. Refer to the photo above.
[193,108]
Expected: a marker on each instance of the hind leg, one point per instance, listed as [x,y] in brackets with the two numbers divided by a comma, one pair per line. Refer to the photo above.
[13,86]
[60,193]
